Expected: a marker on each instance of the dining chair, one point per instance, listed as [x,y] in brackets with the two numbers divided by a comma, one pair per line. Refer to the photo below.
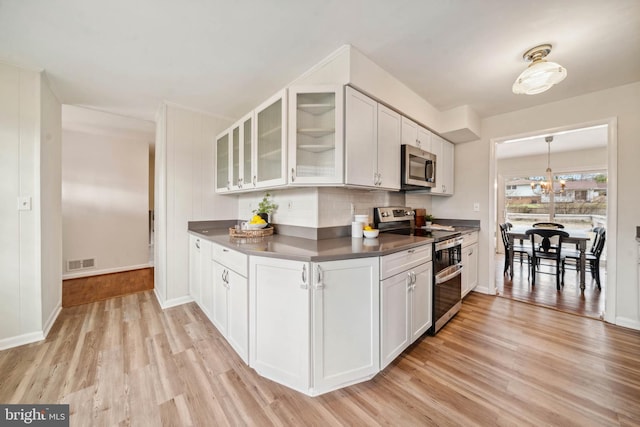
[592,256]
[546,244]
[518,249]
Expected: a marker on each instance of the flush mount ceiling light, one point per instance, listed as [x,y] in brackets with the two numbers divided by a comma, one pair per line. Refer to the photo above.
[541,74]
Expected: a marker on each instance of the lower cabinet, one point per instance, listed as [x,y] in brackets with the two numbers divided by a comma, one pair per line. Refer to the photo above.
[406,310]
[470,263]
[229,298]
[200,273]
[279,320]
[314,327]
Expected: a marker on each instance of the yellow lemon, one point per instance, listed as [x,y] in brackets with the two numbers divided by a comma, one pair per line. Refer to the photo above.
[368,227]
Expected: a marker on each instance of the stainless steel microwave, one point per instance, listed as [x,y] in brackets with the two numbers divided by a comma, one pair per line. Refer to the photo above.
[418,168]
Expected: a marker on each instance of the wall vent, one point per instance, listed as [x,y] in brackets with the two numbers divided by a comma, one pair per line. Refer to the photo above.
[80,264]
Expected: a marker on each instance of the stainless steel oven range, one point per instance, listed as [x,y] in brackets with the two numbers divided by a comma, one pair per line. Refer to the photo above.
[447,259]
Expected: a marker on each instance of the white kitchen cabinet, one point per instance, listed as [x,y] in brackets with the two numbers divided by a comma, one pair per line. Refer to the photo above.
[361,139]
[388,148]
[223,163]
[195,268]
[230,314]
[345,325]
[444,152]
[200,280]
[470,263]
[372,143]
[316,148]
[416,135]
[314,327]
[279,328]
[270,153]
[405,303]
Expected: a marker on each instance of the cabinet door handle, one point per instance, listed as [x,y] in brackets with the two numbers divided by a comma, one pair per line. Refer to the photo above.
[410,251]
[293,174]
[225,250]
[228,185]
[413,279]
[240,182]
[418,142]
[304,273]
[409,280]
[319,284]
[254,180]
[198,243]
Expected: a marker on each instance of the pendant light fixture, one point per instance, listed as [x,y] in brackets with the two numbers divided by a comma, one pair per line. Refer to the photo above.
[546,187]
[541,74]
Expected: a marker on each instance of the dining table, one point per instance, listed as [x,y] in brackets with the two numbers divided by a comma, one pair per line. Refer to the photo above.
[577,237]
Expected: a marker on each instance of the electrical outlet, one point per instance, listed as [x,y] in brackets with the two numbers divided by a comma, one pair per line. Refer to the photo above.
[290,205]
[476,207]
[353,209]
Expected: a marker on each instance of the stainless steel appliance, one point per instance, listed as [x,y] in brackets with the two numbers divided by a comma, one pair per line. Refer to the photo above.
[447,259]
[418,168]
[447,280]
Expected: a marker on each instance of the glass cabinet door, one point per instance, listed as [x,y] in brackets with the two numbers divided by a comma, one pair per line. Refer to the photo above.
[247,143]
[271,141]
[235,158]
[316,135]
[223,182]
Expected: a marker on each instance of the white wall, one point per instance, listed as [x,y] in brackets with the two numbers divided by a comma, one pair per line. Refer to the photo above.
[580,160]
[105,201]
[29,255]
[51,202]
[472,179]
[184,191]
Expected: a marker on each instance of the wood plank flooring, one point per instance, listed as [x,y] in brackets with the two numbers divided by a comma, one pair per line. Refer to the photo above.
[125,362]
[570,299]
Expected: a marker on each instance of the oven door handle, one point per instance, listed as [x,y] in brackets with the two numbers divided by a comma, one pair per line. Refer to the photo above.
[446,274]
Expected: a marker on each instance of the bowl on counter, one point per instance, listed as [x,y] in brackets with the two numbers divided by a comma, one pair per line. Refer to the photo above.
[371,234]
[256,226]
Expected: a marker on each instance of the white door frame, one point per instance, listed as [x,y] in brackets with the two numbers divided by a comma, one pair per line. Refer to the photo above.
[612,205]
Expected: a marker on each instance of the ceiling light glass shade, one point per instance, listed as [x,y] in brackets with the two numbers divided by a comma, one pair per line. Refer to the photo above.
[538,77]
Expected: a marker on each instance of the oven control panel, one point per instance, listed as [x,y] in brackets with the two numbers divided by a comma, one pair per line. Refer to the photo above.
[393,213]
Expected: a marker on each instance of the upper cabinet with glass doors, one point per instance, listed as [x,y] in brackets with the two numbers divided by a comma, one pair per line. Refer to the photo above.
[223,163]
[269,161]
[233,156]
[316,143]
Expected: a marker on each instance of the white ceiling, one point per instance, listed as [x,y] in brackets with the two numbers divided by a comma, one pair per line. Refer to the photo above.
[225,57]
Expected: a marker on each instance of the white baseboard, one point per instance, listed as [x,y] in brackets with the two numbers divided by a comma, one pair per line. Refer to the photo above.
[52,319]
[20,340]
[88,273]
[483,290]
[628,323]
[173,302]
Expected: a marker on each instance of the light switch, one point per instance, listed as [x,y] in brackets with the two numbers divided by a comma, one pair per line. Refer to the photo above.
[476,207]
[24,203]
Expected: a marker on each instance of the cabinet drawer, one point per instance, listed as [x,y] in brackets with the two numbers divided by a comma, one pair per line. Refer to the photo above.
[404,260]
[231,259]
[469,239]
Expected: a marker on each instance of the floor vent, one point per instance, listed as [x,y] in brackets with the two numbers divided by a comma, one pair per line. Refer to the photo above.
[81,264]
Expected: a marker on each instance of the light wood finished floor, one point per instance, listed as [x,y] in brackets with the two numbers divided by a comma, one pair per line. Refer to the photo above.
[569,299]
[498,362]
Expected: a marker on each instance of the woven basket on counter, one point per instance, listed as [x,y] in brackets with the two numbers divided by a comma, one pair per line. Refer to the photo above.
[263,232]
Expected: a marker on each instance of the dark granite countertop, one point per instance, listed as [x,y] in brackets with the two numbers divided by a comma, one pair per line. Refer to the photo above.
[301,249]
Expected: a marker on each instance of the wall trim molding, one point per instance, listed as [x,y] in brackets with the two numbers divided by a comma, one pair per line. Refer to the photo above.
[172,302]
[19,340]
[628,323]
[52,319]
[105,271]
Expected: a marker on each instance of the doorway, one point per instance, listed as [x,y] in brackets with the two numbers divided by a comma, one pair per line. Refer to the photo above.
[565,182]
